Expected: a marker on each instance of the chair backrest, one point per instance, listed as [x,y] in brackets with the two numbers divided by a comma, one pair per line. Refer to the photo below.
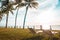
[32,31]
[47,32]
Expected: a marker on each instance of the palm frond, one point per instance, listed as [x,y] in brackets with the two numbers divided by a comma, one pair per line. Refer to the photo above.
[29,0]
[0,18]
[11,11]
[30,6]
[6,11]
[21,5]
[18,1]
[34,4]
[1,15]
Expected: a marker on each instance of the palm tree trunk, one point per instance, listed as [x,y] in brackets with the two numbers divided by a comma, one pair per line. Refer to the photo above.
[7,20]
[25,17]
[16,18]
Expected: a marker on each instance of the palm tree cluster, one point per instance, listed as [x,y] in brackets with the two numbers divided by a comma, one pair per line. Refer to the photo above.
[7,6]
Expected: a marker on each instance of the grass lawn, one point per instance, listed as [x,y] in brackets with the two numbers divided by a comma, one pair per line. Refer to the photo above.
[15,34]
[24,34]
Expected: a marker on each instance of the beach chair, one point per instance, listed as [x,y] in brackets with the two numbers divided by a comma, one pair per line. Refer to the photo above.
[32,31]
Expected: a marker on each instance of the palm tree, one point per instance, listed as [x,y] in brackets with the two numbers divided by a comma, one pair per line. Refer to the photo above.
[5,10]
[17,7]
[4,4]
[20,4]
[29,3]
[16,17]
[9,8]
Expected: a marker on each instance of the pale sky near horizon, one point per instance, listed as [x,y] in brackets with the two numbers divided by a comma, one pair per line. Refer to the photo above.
[47,13]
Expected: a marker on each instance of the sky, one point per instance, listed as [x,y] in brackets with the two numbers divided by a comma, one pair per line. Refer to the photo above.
[47,13]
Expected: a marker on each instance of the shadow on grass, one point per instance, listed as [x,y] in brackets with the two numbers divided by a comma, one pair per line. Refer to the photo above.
[54,38]
[41,38]
[34,38]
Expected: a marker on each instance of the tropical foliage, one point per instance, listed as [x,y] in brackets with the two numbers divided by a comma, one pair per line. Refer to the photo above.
[29,3]
[8,6]
[5,9]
